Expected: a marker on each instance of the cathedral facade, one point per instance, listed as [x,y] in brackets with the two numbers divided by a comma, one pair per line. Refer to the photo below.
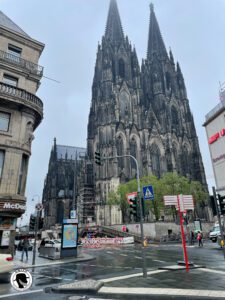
[141,111]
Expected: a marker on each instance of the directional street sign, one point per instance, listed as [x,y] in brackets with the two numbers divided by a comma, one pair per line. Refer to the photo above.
[148,192]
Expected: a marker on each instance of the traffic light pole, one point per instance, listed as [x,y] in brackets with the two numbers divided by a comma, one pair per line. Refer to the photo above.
[35,237]
[141,210]
[219,219]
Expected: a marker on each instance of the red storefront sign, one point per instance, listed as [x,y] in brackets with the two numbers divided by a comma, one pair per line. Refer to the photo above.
[216,136]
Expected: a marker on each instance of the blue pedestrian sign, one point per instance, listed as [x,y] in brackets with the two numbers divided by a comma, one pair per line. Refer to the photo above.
[148,192]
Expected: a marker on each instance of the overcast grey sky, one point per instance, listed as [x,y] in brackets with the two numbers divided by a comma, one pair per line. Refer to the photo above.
[71,29]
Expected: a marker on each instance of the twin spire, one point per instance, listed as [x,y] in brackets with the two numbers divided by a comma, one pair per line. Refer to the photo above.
[155,41]
[114,30]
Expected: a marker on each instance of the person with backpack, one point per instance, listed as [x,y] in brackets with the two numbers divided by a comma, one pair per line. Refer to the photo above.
[199,238]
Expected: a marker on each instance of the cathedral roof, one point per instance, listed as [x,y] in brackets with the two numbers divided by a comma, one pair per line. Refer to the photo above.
[69,152]
[9,24]
[114,30]
[155,40]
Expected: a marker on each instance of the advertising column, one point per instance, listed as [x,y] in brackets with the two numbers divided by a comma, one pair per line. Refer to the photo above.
[69,238]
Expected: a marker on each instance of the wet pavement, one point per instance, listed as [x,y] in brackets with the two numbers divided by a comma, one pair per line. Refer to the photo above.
[112,262]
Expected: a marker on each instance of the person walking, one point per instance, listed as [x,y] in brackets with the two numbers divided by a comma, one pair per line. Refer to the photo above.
[199,238]
[25,245]
[192,238]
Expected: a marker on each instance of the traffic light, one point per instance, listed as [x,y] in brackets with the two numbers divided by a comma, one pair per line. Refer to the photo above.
[133,206]
[98,158]
[212,205]
[221,203]
[40,223]
[32,223]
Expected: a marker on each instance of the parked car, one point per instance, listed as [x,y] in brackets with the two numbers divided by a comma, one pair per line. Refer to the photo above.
[215,233]
[51,243]
[6,266]
[20,246]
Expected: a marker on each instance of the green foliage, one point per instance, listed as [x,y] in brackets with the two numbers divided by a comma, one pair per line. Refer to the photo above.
[169,184]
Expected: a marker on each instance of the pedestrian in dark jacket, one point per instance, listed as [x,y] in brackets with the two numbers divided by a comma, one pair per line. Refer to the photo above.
[25,245]
[192,238]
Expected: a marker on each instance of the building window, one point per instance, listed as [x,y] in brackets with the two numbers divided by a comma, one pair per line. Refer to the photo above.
[133,152]
[8,79]
[14,50]
[2,158]
[4,121]
[121,68]
[23,174]
[14,53]
[120,152]
[156,158]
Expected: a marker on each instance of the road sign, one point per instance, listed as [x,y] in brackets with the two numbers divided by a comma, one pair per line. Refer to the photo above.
[148,192]
[186,201]
[131,196]
[73,214]
[38,206]
[170,200]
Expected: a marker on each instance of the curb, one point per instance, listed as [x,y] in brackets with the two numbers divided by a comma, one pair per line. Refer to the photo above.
[78,259]
[90,287]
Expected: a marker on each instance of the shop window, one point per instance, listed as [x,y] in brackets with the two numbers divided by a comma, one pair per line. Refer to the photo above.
[4,121]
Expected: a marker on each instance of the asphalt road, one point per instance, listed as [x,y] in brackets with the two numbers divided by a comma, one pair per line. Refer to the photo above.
[116,261]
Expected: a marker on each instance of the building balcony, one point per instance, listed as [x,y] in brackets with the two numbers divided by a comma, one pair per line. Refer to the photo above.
[21,63]
[21,97]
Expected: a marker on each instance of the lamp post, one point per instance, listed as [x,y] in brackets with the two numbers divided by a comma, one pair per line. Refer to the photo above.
[38,208]
[140,203]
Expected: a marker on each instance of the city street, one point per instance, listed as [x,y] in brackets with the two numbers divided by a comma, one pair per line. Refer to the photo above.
[112,262]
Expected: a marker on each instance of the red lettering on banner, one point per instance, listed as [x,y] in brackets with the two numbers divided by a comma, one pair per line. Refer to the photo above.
[214,138]
[222,132]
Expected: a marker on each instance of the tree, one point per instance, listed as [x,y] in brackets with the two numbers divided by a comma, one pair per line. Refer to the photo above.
[169,184]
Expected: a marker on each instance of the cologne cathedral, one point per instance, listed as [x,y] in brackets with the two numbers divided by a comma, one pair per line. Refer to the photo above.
[143,111]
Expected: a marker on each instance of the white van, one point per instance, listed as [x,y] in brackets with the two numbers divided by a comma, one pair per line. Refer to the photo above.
[214,233]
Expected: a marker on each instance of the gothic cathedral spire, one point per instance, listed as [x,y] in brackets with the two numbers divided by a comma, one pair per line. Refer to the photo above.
[114,30]
[155,40]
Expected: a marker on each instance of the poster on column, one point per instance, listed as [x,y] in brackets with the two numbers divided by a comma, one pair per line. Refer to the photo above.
[69,236]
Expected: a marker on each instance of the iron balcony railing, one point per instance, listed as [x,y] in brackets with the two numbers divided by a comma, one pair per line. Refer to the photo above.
[22,63]
[22,95]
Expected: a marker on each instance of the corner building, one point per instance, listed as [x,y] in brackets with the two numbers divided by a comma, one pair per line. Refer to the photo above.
[143,112]
[21,111]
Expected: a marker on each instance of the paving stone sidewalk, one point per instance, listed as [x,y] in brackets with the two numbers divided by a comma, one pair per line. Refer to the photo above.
[41,261]
[200,283]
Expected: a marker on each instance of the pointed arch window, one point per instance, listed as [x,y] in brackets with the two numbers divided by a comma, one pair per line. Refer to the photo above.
[176,159]
[121,68]
[133,152]
[125,107]
[168,81]
[174,119]
[120,151]
[185,161]
[156,156]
